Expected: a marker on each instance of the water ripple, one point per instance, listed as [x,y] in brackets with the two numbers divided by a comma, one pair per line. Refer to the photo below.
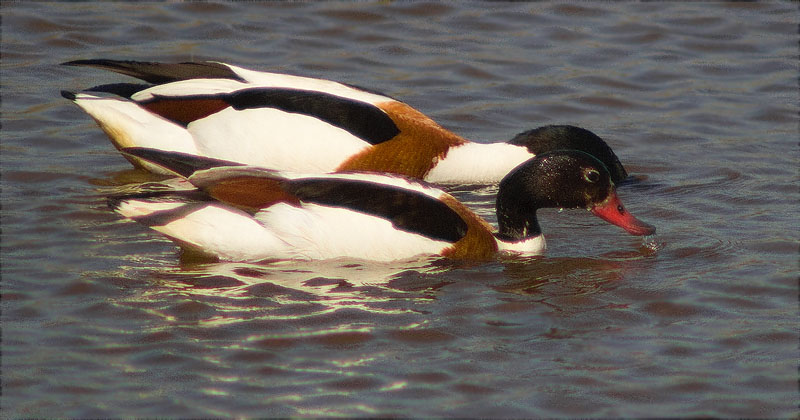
[103,318]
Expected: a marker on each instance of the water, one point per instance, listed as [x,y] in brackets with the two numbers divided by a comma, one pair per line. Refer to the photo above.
[102,318]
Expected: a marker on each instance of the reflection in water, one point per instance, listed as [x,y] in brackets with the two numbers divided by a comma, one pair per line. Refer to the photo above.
[562,276]
[229,293]
[331,280]
[101,318]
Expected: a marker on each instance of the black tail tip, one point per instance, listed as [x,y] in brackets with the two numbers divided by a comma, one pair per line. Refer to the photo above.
[113,203]
[69,95]
[183,164]
[84,62]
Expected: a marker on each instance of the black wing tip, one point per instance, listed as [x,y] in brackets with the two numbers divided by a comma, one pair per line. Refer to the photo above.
[172,161]
[67,94]
[74,63]
[159,73]
[183,164]
[113,202]
[111,61]
[125,90]
[93,62]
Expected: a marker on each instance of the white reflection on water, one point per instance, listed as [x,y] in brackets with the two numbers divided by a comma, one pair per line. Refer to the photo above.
[101,319]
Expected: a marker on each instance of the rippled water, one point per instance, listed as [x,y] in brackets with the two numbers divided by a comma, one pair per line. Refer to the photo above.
[100,317]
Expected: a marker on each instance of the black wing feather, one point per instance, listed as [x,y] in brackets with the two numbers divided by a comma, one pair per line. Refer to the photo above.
[408,210]
[159,73]
[125,90]
[363,120]
[183,164]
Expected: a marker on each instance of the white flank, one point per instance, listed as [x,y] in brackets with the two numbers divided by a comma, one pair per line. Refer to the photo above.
[213,228]
[283,231]
[531,246]
[477,163]
[131,125]
[274,139]
[316,232]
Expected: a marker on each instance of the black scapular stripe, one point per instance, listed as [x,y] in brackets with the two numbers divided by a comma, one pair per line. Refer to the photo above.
[183,164]
[363,120]
[407,210]
[159,73]
[125,90]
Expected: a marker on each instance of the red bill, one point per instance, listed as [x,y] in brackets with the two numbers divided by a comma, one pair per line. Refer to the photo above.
[612,211]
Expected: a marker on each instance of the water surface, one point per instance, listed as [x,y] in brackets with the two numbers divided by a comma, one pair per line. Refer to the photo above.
[101,317]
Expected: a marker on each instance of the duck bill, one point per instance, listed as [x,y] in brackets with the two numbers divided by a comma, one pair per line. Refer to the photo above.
[612,211]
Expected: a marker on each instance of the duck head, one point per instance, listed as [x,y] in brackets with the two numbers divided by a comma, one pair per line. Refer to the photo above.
[560,179]
[568,137]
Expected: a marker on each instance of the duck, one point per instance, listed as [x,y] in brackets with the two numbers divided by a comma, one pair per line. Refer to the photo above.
[245,213]
[302,124]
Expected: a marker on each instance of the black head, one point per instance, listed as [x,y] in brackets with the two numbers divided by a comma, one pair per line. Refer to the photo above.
[567,137]
[560,179]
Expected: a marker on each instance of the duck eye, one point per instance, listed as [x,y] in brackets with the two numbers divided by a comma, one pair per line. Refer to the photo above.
[591,175]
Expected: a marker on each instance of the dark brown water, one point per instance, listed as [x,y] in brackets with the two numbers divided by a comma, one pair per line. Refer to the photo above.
[100,317]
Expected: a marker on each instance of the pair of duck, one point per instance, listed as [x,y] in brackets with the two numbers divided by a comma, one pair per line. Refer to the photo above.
[288,167]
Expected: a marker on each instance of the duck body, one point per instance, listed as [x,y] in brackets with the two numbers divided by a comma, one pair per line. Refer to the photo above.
[247,213]
[300,124]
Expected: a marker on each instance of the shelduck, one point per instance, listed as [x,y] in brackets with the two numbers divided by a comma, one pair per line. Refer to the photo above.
[302,124]
[246,213]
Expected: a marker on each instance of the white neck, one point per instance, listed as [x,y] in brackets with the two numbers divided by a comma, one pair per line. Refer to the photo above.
[477,163]
[530,246]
